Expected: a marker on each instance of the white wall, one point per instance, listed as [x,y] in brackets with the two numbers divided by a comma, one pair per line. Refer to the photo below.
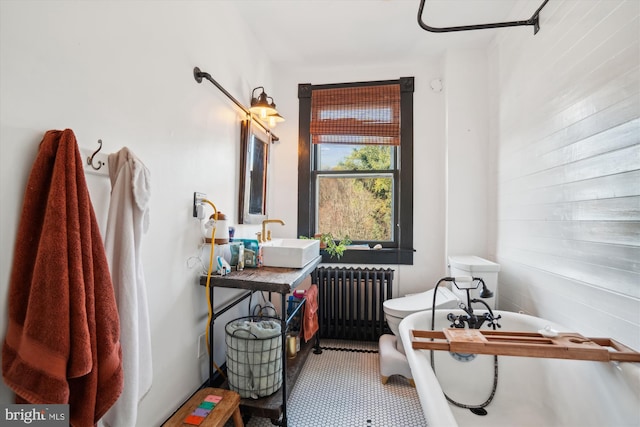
[468,156]
[122,72]
[566,124]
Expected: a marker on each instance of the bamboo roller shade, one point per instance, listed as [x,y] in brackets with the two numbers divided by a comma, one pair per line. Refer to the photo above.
[356,115]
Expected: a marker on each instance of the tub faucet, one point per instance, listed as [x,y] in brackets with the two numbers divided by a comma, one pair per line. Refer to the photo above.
[264,236]
[474,322]
[471,319]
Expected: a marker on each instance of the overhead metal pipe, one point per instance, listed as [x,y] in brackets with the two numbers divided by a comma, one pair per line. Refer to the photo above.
[534,21]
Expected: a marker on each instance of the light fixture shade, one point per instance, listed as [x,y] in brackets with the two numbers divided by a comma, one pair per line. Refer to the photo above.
[261,107]
[274,119]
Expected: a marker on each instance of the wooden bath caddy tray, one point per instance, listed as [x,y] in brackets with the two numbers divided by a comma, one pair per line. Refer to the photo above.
[526,344]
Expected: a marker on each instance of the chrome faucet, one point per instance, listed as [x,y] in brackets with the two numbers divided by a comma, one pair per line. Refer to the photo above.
[264,237]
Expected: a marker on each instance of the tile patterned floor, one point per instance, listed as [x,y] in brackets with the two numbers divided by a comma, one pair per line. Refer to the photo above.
[343,389]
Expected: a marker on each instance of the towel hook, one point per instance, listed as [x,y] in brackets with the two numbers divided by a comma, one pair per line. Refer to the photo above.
[90,158]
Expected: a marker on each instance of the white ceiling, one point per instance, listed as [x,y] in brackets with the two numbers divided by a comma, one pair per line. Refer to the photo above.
[344,32]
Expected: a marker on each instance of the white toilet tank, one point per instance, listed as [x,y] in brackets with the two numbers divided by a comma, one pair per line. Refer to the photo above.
[469,265]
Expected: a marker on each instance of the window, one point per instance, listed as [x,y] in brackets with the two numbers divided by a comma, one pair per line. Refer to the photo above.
[355,164]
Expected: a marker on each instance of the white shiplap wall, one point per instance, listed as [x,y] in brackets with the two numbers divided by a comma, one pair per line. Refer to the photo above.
[567,131]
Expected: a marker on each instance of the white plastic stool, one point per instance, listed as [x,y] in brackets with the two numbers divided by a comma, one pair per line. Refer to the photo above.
[392,362]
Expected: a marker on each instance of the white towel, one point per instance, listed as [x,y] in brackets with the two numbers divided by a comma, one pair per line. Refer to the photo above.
[128,219]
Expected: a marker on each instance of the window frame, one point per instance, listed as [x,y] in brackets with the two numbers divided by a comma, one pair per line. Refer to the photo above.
[402,250]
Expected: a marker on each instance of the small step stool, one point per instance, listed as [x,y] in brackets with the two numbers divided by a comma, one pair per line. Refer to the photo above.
[226,408]
[392,361]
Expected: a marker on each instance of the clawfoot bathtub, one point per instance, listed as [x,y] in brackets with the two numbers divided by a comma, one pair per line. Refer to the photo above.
[529,392]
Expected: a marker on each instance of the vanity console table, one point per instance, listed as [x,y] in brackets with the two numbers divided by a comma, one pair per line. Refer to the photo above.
[271,279]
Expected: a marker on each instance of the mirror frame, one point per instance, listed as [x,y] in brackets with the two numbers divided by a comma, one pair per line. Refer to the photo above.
[251,134]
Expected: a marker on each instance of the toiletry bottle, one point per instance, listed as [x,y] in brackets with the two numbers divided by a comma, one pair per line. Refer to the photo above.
[260,262]
[240,265]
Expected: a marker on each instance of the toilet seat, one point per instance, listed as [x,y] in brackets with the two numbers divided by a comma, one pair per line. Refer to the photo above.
[403,306]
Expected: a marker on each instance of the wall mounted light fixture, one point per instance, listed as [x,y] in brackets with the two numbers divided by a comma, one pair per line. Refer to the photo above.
[198,75]
[260,105]
[274,118]
[264,107]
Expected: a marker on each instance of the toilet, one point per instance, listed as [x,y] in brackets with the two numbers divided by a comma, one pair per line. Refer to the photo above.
[391,351]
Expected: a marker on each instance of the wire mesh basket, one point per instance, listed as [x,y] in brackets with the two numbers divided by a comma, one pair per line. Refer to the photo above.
[254,355]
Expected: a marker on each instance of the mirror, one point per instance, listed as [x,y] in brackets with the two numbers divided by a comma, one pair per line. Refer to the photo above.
[254,173]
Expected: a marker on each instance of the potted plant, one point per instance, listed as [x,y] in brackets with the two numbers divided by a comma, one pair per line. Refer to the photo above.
[330,244]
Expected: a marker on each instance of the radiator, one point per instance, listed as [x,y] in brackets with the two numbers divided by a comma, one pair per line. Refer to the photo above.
[350,302]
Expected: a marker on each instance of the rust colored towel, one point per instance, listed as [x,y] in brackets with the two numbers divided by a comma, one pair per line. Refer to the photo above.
[310,323]
[62,341]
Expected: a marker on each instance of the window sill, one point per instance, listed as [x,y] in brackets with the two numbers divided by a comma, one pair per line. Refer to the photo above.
[360,256]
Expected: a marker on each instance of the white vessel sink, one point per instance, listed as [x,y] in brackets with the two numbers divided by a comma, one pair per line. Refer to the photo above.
[291,253]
